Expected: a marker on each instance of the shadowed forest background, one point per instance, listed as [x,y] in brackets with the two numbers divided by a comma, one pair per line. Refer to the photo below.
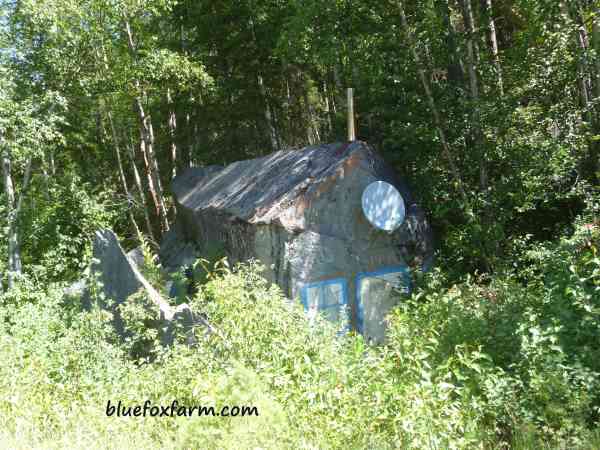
[489,109]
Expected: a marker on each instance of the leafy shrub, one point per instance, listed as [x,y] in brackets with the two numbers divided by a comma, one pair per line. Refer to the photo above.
[507,361]
[141,320]
[58,225]
[522,353]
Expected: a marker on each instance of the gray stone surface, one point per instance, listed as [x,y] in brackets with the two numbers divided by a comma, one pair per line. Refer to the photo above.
[136,256]
[299,212]
[118,278]
[176,251]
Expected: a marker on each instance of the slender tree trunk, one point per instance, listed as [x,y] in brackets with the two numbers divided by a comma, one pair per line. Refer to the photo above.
[595,153]
[327,110]
[596,44]
[469,21]
[456,69]
[140,188]
[9,192]
[51,163]
[147,138]
[172,123]
[350,113]
[472,58]
[310,135]
[312,128]
[579,44]
[149,177]
[338,92]
[117,148]
[586,68]
[191,129]
[271,130]
[185,157]
[268,114]
[288,107]
[332,93]
[432,105]
[590,164]
[115,140]
[494,47]
[189,138]
[46,177]
[14,205]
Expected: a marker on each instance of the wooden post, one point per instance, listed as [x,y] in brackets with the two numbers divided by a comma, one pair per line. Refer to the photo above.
[351,130]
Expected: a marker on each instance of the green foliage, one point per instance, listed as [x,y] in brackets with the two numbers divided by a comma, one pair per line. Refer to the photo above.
[216,79]
[151,268]
[509,361]
[509,358]
[525,354]
[59,367]
[141,319]
[58,223]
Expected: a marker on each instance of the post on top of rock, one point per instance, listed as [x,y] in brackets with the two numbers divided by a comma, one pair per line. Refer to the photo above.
[334,226]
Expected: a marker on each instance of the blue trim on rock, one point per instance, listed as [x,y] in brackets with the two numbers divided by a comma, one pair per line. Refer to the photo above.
[359,277]
[321,284]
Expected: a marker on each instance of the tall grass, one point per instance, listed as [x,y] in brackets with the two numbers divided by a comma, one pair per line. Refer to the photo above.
[509,363]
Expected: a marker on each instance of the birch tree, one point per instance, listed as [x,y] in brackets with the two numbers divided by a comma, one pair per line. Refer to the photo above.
[437,119]
[27,126]
[493,39]
[146,132]
[474,88]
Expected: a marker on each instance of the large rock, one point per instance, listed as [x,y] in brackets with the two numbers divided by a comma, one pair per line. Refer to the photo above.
[118,277]
[136,256]
[300,213]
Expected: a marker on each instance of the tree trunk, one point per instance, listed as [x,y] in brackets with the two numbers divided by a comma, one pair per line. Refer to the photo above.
[14,205]
[586,70]
[589,165]
[595,154]
[51,162]
[494,47]
[46,177]
[149,177]
[267,114]
[140,189]
[117,148]
[332,92]
[327,110]
[596,44]
[350,113]
[468,20]
[579,44]
[455,68]
[436,115]
[9,191]
[312,128]
[147,138]
[172,123]
[338,92]
[474,91]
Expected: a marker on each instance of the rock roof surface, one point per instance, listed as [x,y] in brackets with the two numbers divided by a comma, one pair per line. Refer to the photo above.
[261,190]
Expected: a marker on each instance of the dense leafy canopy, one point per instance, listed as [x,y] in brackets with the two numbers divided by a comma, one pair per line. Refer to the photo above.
[489,109]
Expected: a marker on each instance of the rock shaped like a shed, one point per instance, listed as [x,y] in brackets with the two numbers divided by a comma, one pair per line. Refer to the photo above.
[300,213]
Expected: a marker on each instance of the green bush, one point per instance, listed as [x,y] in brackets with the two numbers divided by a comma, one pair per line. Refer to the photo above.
[504,362]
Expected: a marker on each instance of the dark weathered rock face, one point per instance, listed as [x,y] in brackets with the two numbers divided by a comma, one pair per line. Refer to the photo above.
[300,213]
[118,278]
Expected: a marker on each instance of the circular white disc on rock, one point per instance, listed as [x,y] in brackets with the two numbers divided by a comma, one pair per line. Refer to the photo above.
[383,206]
